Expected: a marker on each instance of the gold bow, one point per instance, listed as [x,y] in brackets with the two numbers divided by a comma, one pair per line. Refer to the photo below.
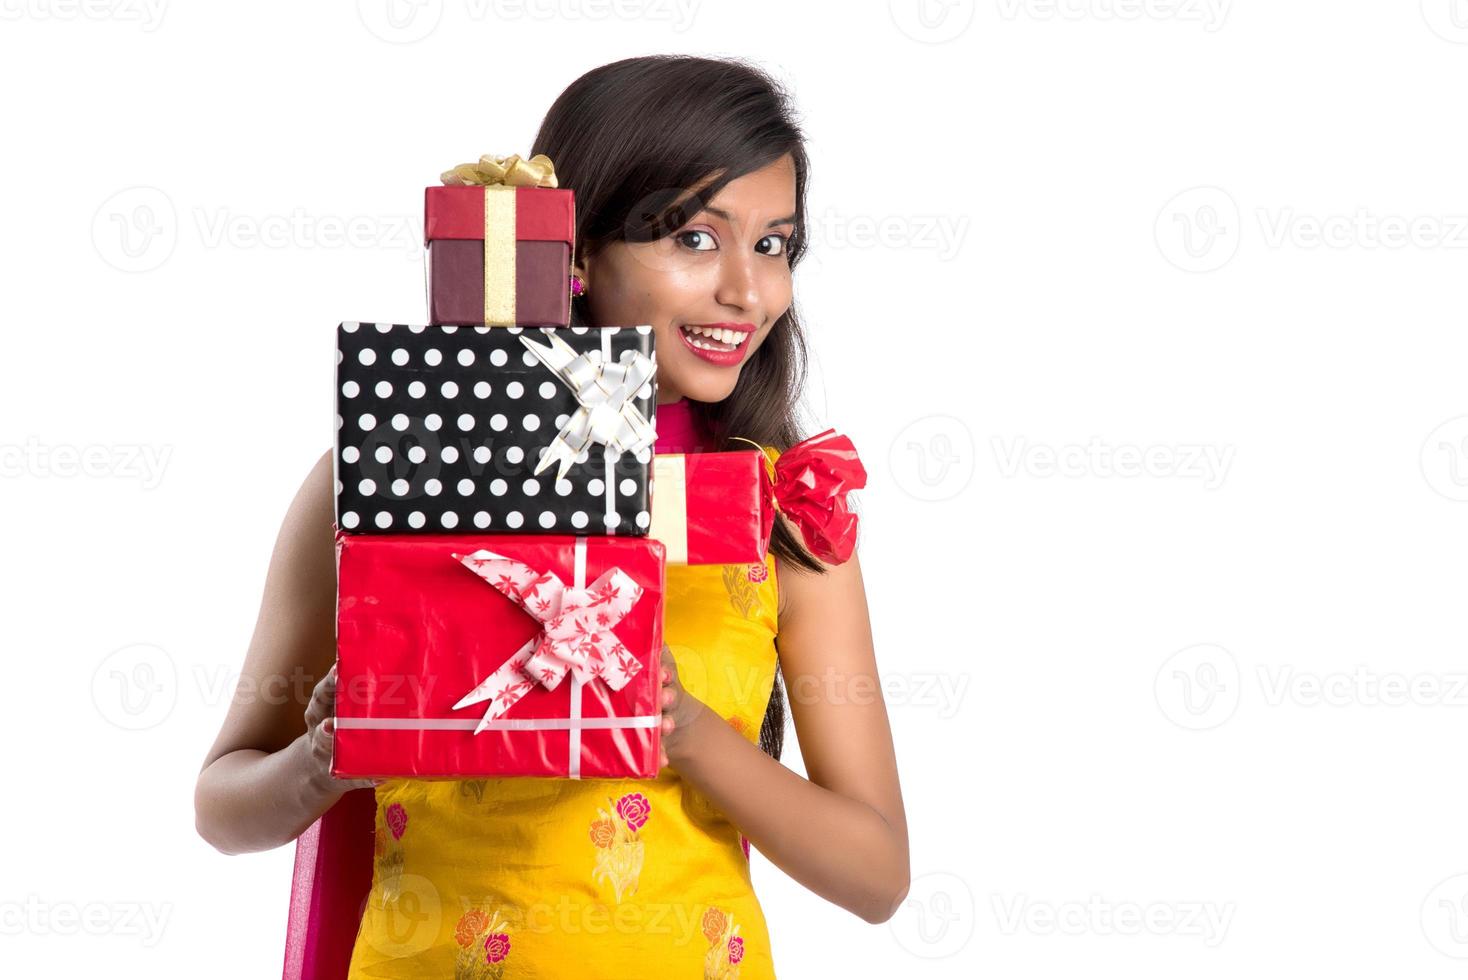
[510,171]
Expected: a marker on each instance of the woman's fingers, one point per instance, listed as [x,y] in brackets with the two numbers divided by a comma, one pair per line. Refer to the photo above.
[323,737]
[323,699]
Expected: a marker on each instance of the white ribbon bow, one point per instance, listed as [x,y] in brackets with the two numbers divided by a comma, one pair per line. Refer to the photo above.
[604,390]
[576,630]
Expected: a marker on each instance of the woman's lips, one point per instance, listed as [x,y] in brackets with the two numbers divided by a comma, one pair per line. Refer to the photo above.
[706,341]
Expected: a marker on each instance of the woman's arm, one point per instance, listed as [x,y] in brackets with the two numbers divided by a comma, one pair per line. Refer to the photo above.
[843,832]
[266,780]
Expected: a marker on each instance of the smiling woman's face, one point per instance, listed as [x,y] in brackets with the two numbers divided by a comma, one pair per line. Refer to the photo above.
[712,291]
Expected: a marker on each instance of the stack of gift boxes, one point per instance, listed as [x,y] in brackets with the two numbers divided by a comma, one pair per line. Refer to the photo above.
[502,525]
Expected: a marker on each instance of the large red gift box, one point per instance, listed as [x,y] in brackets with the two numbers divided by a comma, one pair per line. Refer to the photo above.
[424,689]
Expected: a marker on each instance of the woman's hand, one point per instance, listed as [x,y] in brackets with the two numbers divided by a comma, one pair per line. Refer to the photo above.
[320,735]
[680,709]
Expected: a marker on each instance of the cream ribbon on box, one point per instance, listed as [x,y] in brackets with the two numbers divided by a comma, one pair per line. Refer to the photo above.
[604,390]
[670,506]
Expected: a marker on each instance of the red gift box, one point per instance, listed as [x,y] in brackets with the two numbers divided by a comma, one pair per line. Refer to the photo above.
[719,508]
[711,508]
[499,256]
[579,621]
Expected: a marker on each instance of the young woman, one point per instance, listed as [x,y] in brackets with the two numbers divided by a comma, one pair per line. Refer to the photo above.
[690,178]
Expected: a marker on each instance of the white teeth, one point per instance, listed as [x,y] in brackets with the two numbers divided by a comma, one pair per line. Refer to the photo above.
[722,334]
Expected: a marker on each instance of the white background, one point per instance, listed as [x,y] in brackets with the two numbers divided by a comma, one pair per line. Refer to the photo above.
[1146,315]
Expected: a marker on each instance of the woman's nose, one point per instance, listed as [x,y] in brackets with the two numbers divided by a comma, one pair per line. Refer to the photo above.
[738,286]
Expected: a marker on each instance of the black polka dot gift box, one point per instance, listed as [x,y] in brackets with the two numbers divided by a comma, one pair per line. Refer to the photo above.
[494,429]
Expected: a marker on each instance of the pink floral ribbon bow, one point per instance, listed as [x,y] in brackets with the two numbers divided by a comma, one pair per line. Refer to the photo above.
[576,635]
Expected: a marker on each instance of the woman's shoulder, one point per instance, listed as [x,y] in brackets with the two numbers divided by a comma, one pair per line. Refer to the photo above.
[799,587]
[314,505]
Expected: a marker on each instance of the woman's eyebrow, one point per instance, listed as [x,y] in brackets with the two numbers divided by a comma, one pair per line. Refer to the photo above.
[720,213]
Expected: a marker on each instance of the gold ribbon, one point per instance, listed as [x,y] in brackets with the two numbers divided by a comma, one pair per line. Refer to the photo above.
[499,256]
[510,171]
[500,176]
[770,453]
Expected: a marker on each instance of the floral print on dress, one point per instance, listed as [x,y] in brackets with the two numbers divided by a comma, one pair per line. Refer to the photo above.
[618,848]
[726,946]
[484,946]
[743,591]
[388,849]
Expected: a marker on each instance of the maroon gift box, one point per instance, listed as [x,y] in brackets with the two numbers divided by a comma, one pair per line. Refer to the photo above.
[417,630]
[520,236]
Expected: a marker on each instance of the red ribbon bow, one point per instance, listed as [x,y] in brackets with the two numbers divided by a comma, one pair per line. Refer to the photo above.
[808,484]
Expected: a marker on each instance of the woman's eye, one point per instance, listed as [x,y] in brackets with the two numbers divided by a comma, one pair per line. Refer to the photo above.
[697,236]
[777,248]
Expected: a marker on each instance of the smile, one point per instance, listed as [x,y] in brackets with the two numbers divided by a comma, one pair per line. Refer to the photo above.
[723,344]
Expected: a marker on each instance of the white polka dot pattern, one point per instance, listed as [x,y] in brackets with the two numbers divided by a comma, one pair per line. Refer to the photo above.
[443,430]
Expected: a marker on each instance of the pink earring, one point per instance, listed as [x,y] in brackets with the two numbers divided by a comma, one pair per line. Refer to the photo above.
[578,288]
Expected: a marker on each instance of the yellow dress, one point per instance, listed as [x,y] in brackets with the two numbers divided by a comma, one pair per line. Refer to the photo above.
[623,879]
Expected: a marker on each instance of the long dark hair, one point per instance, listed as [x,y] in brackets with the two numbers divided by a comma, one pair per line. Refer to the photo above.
[632,138]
